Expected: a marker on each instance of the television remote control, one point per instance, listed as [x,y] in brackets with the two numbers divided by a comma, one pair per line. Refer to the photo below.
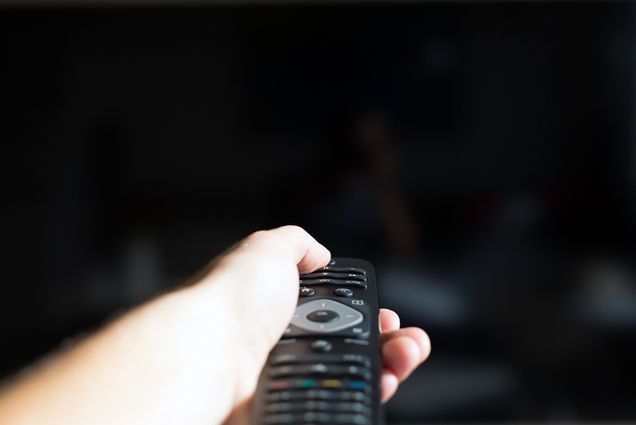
[325,369]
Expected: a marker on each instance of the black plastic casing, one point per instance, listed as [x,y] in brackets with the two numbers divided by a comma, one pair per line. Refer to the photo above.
[300,345]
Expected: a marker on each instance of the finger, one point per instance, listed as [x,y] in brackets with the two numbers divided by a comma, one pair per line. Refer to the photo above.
[401,355]
[404,351]
[416,334]
[307,253]
[389,383]
[389,320]
[289,243]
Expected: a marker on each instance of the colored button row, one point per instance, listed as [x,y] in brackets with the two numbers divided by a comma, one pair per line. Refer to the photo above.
[314,383]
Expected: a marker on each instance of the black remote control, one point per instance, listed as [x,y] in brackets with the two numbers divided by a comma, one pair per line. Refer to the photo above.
[325,369]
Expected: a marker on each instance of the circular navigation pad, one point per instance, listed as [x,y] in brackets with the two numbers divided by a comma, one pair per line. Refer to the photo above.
[325,316]
[322,316]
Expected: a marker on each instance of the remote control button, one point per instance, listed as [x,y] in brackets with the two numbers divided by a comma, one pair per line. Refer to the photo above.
[355,371]
[359,332]
[325,395]
[282,371]
[358,359]
[321,346]
[343,292]
[355,341]
[297,370]
[285,418]
[355,396]
[280,407]
[306,406]
[322,316]
[320,369]
[304,418]
[315,405]
[350,419]
[358,385]
[278,396]
[286,358]
[314,418]
[331,383]
[317,417]
[351,407]
[335,275]
[318,405]
[337,282]
[307,292]
[331,268]
[306,384]
[279,385]
[347,316]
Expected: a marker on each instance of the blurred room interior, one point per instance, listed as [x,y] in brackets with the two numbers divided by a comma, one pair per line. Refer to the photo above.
[480,154]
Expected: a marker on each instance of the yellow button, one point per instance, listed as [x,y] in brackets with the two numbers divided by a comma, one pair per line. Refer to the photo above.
[331,383]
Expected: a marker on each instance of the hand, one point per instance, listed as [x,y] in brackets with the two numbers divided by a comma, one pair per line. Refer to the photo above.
[193,356]
[285,252]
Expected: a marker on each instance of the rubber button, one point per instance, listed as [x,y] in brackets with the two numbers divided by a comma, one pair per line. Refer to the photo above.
[322,316]
[321,346]
[307,292]
[331,383]
[335,275]
[336,282]
[279,385]
[343,292]
[357,385]
[306,384]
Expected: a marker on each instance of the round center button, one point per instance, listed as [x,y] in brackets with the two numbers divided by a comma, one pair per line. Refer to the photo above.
[322,316]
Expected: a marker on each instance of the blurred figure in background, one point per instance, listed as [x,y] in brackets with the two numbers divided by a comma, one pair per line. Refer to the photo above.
[359,196]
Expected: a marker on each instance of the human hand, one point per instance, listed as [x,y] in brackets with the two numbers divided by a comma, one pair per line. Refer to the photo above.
[277,257]
[193,356]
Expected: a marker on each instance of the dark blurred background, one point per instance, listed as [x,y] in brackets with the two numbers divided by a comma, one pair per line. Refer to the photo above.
[480,154]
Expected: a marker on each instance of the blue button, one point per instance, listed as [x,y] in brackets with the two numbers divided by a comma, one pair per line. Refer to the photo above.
[356,385]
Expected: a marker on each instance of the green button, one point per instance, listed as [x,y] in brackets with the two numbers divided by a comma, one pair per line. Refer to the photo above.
[306,383]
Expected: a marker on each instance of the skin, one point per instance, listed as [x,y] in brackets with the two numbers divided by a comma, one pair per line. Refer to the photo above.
[193,356]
